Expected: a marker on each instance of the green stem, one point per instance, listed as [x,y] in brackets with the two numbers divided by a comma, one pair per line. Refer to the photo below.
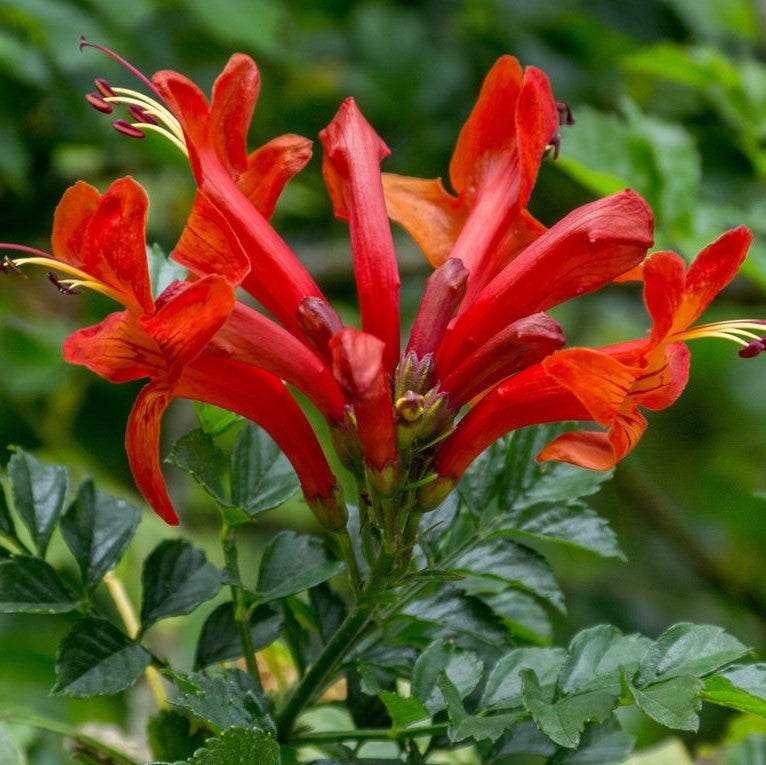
[54,726]
[347,548]
[323,669]
[319,738]
[241,609]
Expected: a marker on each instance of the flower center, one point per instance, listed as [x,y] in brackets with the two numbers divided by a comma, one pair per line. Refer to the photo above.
[145,113]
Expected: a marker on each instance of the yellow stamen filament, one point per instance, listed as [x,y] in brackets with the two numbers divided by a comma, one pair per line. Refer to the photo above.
[82,279]
[734,330]
[172,128]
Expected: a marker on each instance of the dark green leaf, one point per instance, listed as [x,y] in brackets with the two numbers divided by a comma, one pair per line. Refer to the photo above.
[606,744]
[501,559]
[261,476]
[219,639]
[97,529]
[574,523]
[504,686]
[688,649]
[7,527]
[176,578]
[30,585]
[457,616]
[95,658]
[198,455]
[292,563]
[39,494]
[173,735]
[596,656]
[673,703]
[463,668]
[523,740]
[242,745]
[214,420]
[524,615]
[563,719]
[223,700]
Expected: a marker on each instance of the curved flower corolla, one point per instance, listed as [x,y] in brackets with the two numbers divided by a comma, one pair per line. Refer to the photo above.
[238,189]
[493,170]
[608,386]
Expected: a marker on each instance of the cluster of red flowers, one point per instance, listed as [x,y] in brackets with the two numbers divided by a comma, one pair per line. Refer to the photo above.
[482,340]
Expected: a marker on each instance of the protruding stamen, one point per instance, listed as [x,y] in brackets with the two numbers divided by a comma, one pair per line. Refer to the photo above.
[140,114]
[98,102]
[565,119]
[85,44]
[62,286]
[753,348]
[104,88]
[10,263]
[128,129]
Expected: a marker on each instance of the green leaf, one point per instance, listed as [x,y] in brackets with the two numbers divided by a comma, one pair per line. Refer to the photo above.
[95,658]
[238,745]
[606,744]
[173,735]
[29,585]
[464,669]
[7,527]
[10,753]
[223,700]
[500,559]
[597,655]
[198,455]
[504,685]
[262,477]
[214,420]
[292,563]
[751,751]
[97,529]
[673,703]
[741,687]
[39,494]
[575,524]
[522,613]
[403,711]
[688,649]
[162,270]
[176,578]
[219,639]
[563,719]
[457,616]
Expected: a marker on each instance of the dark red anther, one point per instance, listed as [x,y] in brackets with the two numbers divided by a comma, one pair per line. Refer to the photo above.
[64,289]
[96,100]
[753,348]
[104,88]
[128,129]
[140,114]
[565,113]
[8,263]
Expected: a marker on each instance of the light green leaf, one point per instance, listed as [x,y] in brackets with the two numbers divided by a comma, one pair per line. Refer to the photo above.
[673,703]
[403,711]
[162,270]
[293,563]
[214,420]
[688,649]
[504,685]
[741,687]
[464,669]
[95,658]
[563,719]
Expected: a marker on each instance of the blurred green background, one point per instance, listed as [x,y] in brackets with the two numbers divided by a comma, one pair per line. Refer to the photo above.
[670,99]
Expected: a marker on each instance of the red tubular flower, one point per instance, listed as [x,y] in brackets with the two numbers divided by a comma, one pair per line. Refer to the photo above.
[351,168]
[231,186]
[581,253]
[607,386]
[492,170]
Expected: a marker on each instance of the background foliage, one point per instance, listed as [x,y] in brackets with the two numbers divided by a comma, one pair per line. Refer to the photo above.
[670,99]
